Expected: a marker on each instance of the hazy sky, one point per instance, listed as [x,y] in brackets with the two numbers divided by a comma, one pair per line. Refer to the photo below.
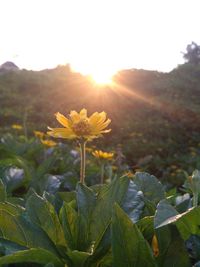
[97,35]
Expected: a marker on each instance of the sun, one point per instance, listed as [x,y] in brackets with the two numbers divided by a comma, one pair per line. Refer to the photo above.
[102,78]
[97,72]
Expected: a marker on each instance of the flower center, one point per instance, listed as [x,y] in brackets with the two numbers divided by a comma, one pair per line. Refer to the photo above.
[82,127]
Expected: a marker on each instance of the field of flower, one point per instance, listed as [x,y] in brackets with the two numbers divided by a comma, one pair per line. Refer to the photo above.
[110,180]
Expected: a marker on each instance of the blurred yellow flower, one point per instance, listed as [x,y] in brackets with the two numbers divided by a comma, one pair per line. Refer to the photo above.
[17,126]
[79,126]
[154,245]
[129,174]
[39,134]
[48,143]
[99,154]
[173,167]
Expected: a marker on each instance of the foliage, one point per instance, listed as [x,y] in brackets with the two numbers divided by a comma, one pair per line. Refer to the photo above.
[193,53]
[89,227]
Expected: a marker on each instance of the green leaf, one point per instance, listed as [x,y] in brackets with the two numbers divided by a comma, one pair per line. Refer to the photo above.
[129,247]
[69,218]
[100,250]
[172,251]
[146,227]
[150,186]
[133,202]
[3,195]
[86,200]
[35,255]
[25,233]
[164,211]
[78,257]
[43,214]
[10,247]
[169,238]
[67,196]
[106,198]
[187,222]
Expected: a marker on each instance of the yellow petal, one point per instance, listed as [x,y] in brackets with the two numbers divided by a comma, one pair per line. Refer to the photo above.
[75,117]
[96,117]
[61,133]
[95,129]
[63,120]
[83,113]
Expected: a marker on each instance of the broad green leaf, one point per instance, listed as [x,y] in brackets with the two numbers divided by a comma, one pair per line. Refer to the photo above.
[25,233]
[169,238]
[2,192]
[101,248]
[86,200]
[67,196]
[78,258]
[10,227]
[35,255]
[172,251]
[133,202]
[150,207]
[115,192]
[43,214]
[17,201]
[69,218]
[146,227]
[150,186]
[129,247]
[164,211]
[10,247]
[107,261]
[183,203]
[187,222]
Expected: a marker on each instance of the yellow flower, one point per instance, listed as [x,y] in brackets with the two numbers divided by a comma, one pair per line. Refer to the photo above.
[49,143]
[79,126]
[173,167]
[129,174]
[154,245]
[39,134]
[17,126]
[102,155]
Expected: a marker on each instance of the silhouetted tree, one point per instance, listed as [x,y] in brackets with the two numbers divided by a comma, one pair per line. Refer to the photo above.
[193,53]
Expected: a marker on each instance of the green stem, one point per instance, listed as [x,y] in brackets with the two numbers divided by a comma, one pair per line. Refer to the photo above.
[83,161]
[195,199]
[102,173]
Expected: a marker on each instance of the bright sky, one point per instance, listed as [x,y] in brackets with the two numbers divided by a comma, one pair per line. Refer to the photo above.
[97,35]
